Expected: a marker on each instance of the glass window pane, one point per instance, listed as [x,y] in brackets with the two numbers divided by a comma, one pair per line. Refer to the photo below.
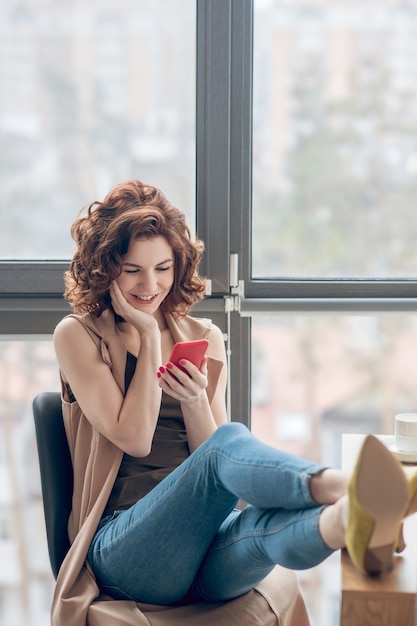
[317,377]
[26,582]
[91,93]
[334,151]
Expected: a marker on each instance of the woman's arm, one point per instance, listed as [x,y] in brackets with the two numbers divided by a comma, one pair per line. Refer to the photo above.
[201,418]
[128,421]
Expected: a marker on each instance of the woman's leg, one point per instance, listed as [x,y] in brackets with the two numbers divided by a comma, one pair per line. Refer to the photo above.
[367,521]
[251,542]
[153,551]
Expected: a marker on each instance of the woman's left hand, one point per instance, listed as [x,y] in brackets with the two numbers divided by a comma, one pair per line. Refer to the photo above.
[185,385]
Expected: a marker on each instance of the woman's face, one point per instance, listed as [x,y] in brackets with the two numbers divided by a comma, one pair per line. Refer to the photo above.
[147,273]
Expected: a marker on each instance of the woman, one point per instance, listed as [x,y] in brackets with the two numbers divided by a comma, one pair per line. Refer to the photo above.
[157,470]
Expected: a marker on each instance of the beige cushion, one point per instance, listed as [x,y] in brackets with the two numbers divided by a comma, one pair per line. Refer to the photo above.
[276,601]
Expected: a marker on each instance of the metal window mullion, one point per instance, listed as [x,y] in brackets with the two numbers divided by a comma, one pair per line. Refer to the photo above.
[240,200]
[213,137]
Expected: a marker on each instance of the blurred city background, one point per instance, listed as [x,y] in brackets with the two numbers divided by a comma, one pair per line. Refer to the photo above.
[91,94]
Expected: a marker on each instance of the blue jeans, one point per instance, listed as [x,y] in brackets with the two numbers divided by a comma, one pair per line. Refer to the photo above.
[185,541]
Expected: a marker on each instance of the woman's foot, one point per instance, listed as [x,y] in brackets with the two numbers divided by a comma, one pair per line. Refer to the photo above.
[333,522]
[328,486]
[379,494]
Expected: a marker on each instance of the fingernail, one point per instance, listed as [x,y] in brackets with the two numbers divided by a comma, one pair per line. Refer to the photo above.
[162,369]
[169,366]
[158,374]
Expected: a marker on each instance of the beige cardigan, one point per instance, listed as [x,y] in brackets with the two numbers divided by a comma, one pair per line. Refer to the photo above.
[96,462]
[276,601]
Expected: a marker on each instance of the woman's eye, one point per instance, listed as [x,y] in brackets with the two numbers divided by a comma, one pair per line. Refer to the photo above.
[136,271]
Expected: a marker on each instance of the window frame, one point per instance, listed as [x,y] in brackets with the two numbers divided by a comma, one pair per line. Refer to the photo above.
[31,299]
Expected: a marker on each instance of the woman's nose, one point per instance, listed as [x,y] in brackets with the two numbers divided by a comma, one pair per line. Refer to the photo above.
[148,281]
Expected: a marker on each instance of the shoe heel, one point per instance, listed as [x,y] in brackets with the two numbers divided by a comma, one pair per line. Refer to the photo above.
[411,509]
[412,504]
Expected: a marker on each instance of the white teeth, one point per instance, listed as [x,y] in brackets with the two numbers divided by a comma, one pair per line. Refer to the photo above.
[145,297]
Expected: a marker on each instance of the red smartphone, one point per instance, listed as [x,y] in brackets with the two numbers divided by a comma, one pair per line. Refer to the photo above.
[193,351]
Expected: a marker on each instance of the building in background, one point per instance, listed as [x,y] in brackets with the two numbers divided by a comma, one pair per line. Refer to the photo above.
[92,93]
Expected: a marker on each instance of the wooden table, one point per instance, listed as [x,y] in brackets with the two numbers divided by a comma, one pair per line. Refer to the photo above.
[390,599]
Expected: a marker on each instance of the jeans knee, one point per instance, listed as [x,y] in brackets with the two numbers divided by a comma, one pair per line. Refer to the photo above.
[231,431]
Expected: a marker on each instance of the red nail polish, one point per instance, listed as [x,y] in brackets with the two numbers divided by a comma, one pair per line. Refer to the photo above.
[162,369]
[158,374]
[169,366]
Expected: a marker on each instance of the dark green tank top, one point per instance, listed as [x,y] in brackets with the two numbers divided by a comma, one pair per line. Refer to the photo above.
[137,476]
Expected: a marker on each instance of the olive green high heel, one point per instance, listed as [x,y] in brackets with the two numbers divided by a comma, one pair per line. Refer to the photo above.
[378,497]
[411,508]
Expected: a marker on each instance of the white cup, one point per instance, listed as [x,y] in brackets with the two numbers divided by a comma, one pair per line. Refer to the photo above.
[406,432]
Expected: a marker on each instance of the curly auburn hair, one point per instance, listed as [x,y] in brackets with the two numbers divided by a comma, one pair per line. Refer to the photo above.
[131,210]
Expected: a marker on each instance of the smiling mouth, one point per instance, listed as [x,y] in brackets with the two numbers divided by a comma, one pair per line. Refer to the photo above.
[145,298]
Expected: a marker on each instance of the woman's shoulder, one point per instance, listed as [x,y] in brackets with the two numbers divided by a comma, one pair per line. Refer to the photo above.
[100,325]
[67,325]
[72,330]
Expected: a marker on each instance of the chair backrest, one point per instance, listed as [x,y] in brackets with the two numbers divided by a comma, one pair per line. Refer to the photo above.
[56,473]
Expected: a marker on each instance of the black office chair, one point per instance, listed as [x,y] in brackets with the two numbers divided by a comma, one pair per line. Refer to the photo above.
[56,473]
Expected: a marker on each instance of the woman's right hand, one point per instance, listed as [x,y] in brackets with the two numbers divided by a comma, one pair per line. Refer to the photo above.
[143,322]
